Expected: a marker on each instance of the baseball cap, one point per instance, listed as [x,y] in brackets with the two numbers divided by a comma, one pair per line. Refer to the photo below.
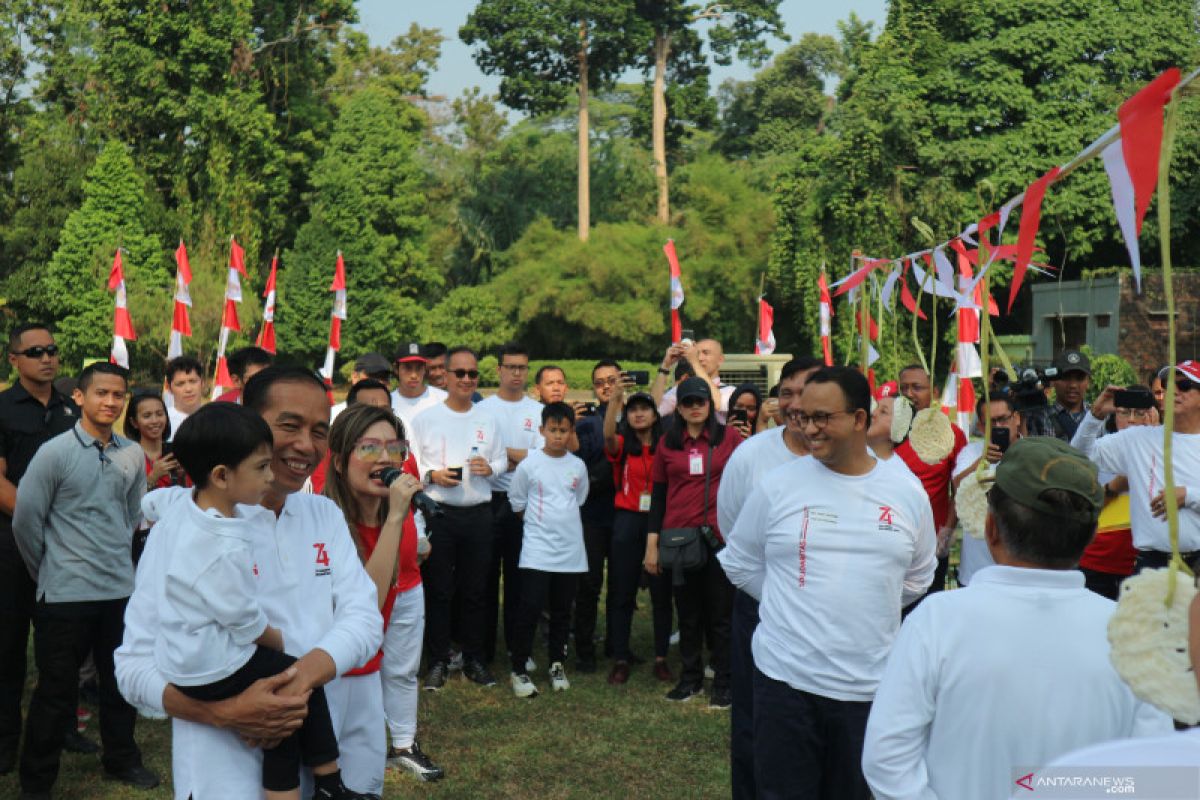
[693,387]
[642,397]
[1034,464]
[1189,369]
[410,352]
[1072,361]
[889,389]
[371,363]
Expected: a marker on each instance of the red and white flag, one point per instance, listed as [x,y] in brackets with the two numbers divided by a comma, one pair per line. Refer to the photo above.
[122,323]
[181,323]
[338,287]
[676,291]
[229,320]
[826,318]
[266,335]
[765,344]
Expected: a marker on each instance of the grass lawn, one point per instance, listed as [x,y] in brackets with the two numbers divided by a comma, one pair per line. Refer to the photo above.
[593,741]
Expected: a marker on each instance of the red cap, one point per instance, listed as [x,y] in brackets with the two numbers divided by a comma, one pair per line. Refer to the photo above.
[889,389]
[1189,369]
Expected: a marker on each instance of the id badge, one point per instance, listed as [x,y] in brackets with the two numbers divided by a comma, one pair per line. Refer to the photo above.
[696,463]
[644,501]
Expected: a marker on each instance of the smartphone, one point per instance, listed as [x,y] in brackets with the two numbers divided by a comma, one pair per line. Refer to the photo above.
[1125,398]
[1002,438]
[738,415]
[640,377]
[687,335]
[589,409]
[455,472]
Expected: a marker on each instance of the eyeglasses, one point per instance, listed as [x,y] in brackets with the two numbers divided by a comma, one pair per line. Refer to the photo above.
[38,352]
[1134,413]
[465,373]
[819,419]
[1182,386]
[1004,420]
[693,402]
[375,449]
[515,367]
[600,383]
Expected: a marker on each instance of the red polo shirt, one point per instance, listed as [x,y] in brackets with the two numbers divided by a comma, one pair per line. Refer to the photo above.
[685,491]
[935,477]
[631,475]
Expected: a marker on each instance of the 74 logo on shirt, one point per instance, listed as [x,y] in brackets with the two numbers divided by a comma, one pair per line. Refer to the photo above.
[322,559]
[887,519]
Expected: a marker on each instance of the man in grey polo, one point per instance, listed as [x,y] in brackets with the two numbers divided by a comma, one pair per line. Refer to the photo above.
[73,524]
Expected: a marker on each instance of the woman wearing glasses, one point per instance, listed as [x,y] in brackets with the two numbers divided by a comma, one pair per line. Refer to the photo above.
[686,477]
[363,442]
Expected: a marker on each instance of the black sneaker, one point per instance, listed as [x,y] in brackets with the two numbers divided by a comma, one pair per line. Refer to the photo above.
[76,742]
[684,692]
[435,678]
[720,699]
[476,672]
[337,791]
[136,776]
[416,762]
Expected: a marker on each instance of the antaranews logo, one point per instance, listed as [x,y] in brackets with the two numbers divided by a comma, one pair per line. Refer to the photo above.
[1026,781]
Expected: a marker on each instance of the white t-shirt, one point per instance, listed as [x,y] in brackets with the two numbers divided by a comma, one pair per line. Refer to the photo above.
[832,559]
[444,438]
[667,404]
[974,555]
[407,408]
[752,459]
[550,492]
[176,418]
[211,616]
[1137,453]
[519,422]
[1007,674]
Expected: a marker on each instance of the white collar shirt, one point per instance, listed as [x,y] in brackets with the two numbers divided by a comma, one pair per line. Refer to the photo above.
[519,422]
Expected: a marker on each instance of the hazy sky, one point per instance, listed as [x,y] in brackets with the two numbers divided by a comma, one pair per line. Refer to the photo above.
[384,19]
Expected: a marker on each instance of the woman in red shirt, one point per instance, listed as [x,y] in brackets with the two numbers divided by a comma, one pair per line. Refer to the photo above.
[630,447]
[147,423]
[363,441]
[695,444]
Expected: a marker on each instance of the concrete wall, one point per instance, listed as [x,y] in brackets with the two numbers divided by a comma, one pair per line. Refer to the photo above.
[1143,320]
[1088,311]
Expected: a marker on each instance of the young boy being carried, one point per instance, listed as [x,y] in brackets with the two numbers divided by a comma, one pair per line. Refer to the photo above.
[215,639]
[547,489]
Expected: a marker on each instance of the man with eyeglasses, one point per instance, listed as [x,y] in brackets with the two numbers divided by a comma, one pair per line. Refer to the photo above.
[832,546]
[31,413]
[519,417]
[459,447]
[1137,454]
[76,509]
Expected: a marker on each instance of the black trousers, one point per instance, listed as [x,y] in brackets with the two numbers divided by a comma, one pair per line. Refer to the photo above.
[314,744]
[806,746]
[63,635]
[625,576]
[705,606]
[1156,559]
[507,530]
[539,591]
[1105,584]
[458,562]
[741,715]
[587,599]
[16,610]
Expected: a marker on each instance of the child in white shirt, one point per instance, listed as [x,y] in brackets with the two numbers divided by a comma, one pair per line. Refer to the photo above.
[215,640]
[547,489]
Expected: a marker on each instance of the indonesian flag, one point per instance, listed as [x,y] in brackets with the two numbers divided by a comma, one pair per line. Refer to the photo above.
[765,345]
[676,291]
[826,318]
[338,287]
[122,324]
[266,335]
[969,363]
[229,320]
[181,324]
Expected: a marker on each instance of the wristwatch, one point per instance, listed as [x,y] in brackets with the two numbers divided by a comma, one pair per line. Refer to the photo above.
[429,476]
[664,371]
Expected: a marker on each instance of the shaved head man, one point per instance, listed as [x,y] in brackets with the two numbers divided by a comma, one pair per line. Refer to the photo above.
[705,358]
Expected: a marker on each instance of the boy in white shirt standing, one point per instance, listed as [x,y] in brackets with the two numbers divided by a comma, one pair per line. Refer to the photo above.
[214,639]
[547,489]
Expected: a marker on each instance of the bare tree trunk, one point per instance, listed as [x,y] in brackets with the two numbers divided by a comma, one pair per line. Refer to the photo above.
[584,160]
[662,47]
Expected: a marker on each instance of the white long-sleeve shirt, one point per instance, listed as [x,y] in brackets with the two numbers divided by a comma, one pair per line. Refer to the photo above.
[1137,453]
[312,587]
[752,459]
[831,558]
[519,422]
[442,437]
[550,491]
[1007,674]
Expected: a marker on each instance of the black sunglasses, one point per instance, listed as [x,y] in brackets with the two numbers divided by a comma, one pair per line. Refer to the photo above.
[1186,386]
[465,373]
[38,352]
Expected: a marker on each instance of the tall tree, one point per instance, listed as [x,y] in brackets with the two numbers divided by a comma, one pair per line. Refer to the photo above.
[544,49]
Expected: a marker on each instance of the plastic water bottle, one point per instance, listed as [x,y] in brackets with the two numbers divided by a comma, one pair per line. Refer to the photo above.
[470,458]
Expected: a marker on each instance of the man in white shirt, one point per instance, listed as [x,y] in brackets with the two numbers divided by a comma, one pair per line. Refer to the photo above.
[1137,453]
[412,394]
[185,384]
[1014,670]
[753,459]
[519,418]
[831,547]
[705,357]
[311,585]
[459,448]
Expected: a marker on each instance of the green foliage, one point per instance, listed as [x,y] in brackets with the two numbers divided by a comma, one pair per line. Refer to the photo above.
[75,294]
[471,316]
[1108,369]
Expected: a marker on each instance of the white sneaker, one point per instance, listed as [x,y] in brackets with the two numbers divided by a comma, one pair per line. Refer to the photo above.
[522,686]
[674,638]
[558,677]
[530,664]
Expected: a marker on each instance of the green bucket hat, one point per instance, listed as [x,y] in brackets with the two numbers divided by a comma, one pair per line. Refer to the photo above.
[1034,464]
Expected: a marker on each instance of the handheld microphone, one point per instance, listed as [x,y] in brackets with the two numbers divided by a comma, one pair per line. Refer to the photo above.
[421,501]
